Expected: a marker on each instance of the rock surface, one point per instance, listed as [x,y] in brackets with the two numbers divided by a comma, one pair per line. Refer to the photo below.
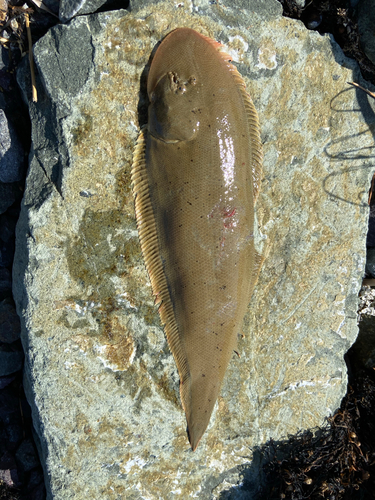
[99,376]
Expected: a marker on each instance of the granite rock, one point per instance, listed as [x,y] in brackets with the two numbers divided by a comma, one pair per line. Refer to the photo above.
[101,381]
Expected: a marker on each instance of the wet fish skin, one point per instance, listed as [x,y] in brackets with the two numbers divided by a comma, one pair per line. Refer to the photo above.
[196,175]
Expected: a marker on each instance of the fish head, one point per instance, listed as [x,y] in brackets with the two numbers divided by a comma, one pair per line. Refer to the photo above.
[174,113]
[176,86]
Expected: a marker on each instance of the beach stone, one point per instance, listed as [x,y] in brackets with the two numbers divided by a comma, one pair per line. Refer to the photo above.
[11,152]
[99,376]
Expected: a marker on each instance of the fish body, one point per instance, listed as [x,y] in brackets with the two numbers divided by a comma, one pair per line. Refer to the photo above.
[196,174]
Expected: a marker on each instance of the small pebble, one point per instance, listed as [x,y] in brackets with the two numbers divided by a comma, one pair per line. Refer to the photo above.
[314,22]
[14,24]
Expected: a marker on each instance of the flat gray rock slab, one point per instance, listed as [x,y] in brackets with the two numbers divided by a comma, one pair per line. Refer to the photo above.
[71,8]
[100,378]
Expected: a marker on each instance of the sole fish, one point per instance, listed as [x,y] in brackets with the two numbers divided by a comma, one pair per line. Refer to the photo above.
[196,174]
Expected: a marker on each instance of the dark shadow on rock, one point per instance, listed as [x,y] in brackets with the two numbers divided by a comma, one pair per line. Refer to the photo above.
[350,172]
[341,58]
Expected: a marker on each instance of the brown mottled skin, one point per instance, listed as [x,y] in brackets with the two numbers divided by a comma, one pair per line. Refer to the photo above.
[201,160]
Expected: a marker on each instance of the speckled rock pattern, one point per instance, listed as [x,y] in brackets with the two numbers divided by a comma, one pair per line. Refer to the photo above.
[99,376]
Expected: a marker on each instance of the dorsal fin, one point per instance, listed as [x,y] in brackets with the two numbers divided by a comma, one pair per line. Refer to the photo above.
[150,248]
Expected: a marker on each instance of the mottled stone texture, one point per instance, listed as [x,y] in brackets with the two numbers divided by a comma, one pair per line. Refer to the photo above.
[100,378]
